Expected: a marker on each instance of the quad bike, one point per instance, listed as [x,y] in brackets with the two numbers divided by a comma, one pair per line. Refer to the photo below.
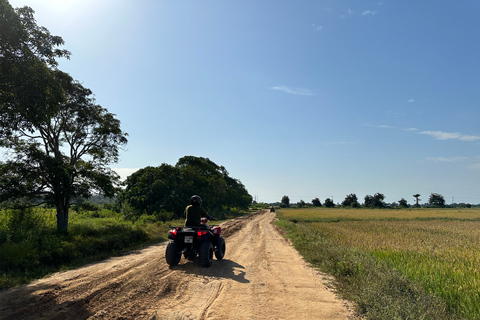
[204,241]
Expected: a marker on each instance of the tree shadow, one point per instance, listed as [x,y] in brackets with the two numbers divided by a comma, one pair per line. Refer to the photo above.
[38,301]
[224,268]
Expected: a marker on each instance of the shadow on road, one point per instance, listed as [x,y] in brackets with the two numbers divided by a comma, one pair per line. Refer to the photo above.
[39,302]
[225,268]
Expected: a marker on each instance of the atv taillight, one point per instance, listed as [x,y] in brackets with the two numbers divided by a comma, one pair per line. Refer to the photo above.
[173,232]
[217,230]
[201,233]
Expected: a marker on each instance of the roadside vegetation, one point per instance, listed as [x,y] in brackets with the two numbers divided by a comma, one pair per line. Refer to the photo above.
[395,264]
[31,247]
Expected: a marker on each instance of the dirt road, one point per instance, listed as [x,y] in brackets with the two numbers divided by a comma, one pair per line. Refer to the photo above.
[261,277]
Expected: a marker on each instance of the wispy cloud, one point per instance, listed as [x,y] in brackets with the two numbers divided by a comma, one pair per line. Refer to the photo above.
[318,28]
[379,126]
[440,135]
[472,163]
[369,13]
[349,13]
[447,159]
[411,129]
[410,100]
[290,90]
[474,166]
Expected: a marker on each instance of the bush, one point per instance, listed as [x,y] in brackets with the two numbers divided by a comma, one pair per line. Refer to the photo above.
[86,206]
[31,247]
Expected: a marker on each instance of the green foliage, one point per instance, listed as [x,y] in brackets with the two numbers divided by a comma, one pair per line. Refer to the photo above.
[351,200]
[301,204]
[86,206]
[375,201]
[285,203]
[402,203]
[329,203]
[59,141]
[31,247]
[316,202]
[436,200]
[260,205]
[153,190]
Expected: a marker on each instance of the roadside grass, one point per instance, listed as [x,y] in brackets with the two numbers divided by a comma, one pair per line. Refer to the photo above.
[395,264]
[31,248]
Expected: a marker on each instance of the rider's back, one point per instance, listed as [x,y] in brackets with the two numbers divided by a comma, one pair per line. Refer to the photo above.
[193,214]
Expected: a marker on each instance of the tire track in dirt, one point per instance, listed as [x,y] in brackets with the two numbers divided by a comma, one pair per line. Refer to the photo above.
[261,277]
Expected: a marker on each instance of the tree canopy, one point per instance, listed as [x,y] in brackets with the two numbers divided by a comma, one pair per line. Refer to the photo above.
[153,190]
[285,201]
[375,201]
[59,142]
[403,203]
[351,200]
[316,202]
[329,203]
[437,200]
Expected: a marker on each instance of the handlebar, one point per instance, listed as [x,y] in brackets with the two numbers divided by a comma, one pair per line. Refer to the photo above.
[194,227]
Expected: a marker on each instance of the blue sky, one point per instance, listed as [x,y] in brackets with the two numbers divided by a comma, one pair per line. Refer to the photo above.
[300,98]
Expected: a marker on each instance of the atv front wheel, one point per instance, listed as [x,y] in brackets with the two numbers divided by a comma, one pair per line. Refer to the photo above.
[172,255]
[220,252]
[205,254]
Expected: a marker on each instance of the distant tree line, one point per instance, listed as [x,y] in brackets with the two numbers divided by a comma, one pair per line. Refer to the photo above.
[435,200]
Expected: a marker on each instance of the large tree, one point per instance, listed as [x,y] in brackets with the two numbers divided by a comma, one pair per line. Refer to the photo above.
[329,203]
[402,203]
[59,142]
[316,202]
[351,200]
[375,201]
[437,200]
[286,201]
[152,190]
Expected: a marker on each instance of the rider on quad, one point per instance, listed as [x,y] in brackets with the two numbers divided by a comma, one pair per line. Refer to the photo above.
[196,239]
[194,212]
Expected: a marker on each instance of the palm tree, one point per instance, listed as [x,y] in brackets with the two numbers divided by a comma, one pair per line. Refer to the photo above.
[416,196]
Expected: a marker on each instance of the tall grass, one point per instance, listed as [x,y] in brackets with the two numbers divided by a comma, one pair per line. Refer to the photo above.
[31,248]
[434,251]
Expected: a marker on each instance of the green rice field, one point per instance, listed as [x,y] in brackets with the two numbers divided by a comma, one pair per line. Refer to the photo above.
[436,249]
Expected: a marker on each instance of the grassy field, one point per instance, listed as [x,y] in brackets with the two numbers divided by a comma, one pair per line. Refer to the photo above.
[31,248]
[416,259]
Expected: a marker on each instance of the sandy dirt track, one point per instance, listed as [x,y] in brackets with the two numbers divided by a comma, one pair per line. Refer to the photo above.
[261,277]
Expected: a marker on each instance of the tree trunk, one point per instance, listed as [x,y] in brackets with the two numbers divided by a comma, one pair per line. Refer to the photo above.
[62,217]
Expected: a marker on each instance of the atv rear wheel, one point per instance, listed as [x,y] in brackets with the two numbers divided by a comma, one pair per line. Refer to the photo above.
[205,254]
[220,252]
[172,255]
